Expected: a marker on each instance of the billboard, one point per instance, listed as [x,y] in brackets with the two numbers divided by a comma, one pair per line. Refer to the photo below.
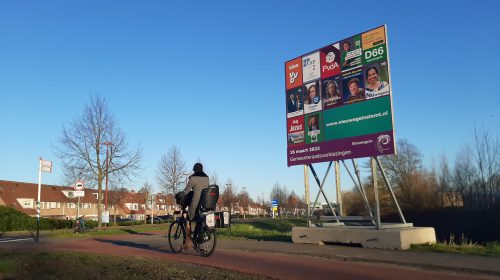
[339,101]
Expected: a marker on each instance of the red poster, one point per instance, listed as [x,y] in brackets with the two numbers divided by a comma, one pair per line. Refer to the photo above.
[330,61]
[295,130]
[293,72]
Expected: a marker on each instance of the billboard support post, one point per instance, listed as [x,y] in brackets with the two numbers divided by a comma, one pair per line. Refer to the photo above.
[337,185]
[321,189]
[375,192]
[363,195]
[306,187]
[401,216]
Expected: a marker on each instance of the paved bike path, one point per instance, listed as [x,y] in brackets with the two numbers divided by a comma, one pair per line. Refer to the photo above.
[280,260]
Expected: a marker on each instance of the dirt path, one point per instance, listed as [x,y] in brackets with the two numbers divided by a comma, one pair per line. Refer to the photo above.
[280,266]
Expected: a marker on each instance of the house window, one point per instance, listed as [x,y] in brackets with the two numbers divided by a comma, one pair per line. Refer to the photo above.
[42,205]
[53,205]
[135,206]
[163,207]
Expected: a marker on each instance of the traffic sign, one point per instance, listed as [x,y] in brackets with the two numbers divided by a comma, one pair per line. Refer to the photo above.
[72,194]
[46,166]
[78,186]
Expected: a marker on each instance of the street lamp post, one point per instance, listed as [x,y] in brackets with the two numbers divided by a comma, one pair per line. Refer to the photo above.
[264,209]
[244,201]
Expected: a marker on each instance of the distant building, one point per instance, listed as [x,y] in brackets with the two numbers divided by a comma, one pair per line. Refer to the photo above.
[57,202]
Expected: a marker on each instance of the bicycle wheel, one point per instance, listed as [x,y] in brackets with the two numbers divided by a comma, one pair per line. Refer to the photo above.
[205,242]
[176,237]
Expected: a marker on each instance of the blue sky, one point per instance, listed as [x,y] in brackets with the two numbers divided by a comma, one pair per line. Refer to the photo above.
[209,77]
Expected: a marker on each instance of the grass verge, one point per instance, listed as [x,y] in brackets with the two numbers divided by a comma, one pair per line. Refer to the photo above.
[491,249]
[92,266]
[262,229]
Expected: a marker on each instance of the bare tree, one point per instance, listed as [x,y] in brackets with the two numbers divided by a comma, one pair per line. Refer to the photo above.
[281,194]
[83,154]
[404,170]
[244,200]
[146,189]
[487,159]
[214,179]
[171,170]
[228,196]
[116,198]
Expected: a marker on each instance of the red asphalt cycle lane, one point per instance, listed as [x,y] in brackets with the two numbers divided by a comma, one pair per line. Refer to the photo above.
[279,266]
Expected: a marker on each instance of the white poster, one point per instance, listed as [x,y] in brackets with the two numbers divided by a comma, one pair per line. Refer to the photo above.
[105,217]
[311,67]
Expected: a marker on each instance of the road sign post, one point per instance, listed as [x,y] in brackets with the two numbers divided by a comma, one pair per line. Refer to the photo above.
[274,206]
[78,187]
[43,166]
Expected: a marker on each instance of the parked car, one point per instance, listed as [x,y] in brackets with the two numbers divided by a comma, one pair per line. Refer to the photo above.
[155,219]
[164,218]
[123,220]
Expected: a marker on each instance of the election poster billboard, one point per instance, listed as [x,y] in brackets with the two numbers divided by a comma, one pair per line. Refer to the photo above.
[339,101]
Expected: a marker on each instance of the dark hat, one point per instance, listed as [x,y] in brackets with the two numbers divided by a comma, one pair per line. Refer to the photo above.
[198,167]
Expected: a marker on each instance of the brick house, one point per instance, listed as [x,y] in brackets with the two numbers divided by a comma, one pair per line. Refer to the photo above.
[56,202]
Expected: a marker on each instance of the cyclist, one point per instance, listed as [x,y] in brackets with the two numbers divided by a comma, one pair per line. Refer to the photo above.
[196,183]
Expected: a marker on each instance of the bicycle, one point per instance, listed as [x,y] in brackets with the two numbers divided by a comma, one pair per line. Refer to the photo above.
[80,226]
[204,236]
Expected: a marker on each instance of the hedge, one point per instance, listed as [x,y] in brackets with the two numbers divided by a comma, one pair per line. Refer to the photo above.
[13,220]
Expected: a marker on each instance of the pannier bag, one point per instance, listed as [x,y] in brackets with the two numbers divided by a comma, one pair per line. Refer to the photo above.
[209,198]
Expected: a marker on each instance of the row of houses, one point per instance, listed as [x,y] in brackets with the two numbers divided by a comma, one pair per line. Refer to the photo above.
[57,202]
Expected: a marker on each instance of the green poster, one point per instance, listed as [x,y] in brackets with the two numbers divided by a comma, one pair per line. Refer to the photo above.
[362,118]
[314,128]
[375,54]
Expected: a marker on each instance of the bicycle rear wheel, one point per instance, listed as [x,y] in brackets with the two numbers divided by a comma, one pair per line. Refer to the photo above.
[176,237]
[205,242]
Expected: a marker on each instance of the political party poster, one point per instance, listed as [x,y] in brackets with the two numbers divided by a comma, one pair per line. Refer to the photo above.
[294,102]
[311,67]
[346,94]
[295,130]
[312,97]
[314,128]
[376,79]
[374,48]
[331,92]
[351,56]
[293,70]
[330,61]
[353,86]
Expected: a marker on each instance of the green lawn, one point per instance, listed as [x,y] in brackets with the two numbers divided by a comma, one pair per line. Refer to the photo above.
[491,249]
[92,266]
[262,229]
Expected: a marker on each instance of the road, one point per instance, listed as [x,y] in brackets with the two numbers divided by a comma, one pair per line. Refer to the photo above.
[229,255]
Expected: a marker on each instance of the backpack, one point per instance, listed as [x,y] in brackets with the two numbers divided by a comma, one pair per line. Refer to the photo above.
[209,198]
